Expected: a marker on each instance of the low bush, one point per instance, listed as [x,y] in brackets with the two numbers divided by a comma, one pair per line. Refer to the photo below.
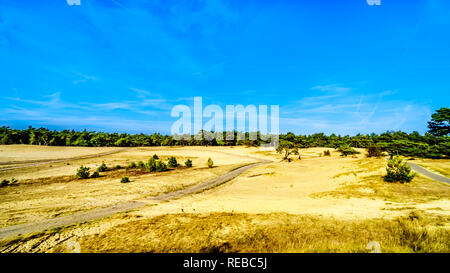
[150,166]
[141,165]
[172,162]
[160,166]
[11,182]
[188,163]
[154,165]
[210,163]
[132,165]
[83,172]
[327,153]
[398,171]
[118,167]
[95,174]
[102,167]
[347,150]
[155,156]
[124,180]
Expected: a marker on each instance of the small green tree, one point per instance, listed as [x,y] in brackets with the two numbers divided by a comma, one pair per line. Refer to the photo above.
[102,167]
[398,171]
[210,163]
[172,162]
[83,172]
[151,165]
[124,180]
[95,174]
[132,165]
[188,163]
[118,167]
[160,166]
[155,156]
[287,148]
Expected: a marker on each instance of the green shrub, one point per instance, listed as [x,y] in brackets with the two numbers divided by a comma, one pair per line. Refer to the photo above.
[374,151]
[327,153]
[95,174]
[132,165]
[160,166]
[150,166]
[124,180]
[188,163]
[210,163]
[102,167]
[398,171]
[154,165]
[83,172]
[141,165]
[155,156]
[172,162]
[118,167]
[347,150]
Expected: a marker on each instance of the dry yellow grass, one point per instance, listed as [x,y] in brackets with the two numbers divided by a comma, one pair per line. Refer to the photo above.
[226,232]
[229,232]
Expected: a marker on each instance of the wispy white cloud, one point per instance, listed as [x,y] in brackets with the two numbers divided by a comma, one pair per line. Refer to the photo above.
[335,88]
[49,101]
[84,78]
[345,110]
[148,112]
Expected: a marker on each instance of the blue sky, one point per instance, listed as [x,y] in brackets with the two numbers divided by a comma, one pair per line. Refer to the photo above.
[340,66]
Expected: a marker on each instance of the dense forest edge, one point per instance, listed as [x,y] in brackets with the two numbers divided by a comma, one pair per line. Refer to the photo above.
[433,144]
